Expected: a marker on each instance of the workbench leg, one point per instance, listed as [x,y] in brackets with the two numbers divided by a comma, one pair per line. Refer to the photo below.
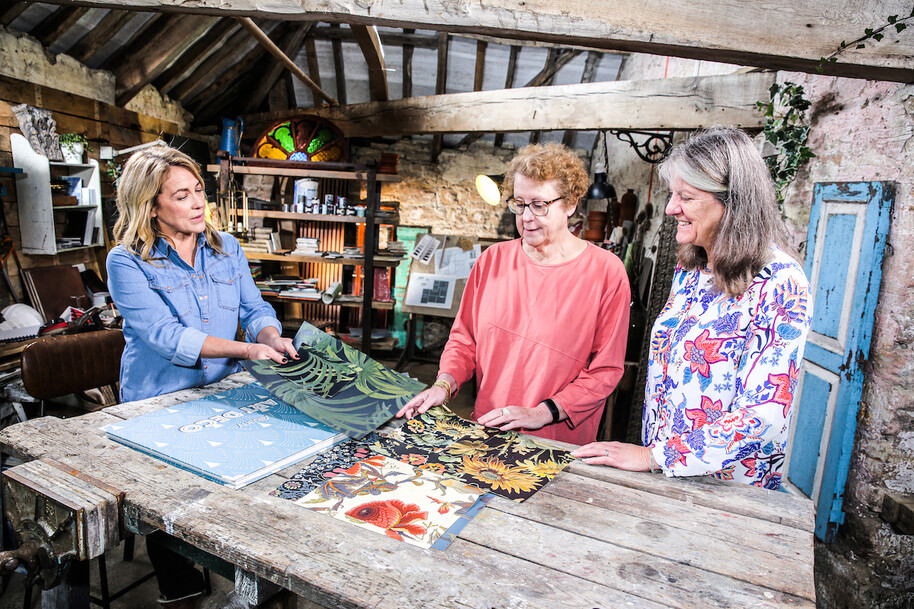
[250,590]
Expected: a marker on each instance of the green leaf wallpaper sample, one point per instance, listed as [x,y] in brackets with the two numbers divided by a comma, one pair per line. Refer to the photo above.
[336,384]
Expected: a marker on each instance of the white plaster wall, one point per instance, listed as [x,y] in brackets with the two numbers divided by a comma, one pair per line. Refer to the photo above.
[152,103]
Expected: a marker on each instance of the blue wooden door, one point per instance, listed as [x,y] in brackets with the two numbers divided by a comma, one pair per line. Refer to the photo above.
[847,232]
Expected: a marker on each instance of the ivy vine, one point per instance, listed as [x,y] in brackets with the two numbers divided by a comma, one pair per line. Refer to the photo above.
[785,127]
[868,34]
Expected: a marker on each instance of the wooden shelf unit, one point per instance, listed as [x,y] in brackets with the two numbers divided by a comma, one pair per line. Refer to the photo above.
[228,168]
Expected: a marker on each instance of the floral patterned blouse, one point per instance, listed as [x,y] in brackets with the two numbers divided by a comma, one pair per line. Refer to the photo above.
[722,373]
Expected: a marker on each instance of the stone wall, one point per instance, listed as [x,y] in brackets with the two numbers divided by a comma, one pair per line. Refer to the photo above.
[443,195]
[861,130]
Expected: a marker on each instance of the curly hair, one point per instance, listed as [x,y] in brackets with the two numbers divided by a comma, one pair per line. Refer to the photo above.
[137,189]
[546,162]
[724,162]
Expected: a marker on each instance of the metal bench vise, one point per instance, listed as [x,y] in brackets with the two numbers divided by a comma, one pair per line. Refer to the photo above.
[58,515]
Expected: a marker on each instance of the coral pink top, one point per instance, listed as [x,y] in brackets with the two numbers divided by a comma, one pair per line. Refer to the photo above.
[532,332]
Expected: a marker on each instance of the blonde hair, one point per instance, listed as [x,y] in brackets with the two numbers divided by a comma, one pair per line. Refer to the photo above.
[137,189]
[724,162]
[545,162]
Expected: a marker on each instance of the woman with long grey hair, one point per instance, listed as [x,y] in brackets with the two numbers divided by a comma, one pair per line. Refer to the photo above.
[726,349]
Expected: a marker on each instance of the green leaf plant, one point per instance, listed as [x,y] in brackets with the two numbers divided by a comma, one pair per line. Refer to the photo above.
[870,33]
[785,127]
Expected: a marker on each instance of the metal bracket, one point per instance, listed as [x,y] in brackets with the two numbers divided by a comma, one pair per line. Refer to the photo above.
[653,149]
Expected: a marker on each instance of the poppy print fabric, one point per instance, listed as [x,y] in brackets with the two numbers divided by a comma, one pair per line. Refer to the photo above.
[397,500]
[722,373]
[506,463]
[324,466]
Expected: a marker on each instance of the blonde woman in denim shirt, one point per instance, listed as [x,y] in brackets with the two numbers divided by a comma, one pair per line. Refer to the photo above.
[182,288]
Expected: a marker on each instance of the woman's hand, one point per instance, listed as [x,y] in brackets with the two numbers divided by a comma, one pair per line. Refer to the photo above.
[282,345]
[629,457]
[517,417]
[261,351]
[431,397]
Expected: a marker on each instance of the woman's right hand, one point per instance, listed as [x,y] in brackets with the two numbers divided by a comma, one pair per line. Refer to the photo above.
[431,397]
[261,351]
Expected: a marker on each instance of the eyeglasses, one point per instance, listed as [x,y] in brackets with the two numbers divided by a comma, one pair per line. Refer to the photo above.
[537,208]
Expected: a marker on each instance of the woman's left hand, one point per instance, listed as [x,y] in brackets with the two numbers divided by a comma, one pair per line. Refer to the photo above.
[629,457]
[517,417]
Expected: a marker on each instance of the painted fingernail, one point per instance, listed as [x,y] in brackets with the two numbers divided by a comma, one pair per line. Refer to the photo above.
[285,359]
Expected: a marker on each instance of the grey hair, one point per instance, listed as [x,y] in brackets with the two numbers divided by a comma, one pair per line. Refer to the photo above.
[725,162]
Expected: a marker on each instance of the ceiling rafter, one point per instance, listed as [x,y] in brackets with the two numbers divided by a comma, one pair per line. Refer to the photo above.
[204,46]
[509,84]
[587,75]
[339,69]
[104,30]
[238,43]
[440,88]
[314,70]
[155,57]
[276,52]
[144,34]
[10,14]
[290,45]
[57,23]
[370,44]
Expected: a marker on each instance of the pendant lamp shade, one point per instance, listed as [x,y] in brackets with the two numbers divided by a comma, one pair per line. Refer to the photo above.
[489,187]
[601,189]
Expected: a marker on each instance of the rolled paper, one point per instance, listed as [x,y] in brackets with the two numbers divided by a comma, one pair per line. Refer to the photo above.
[330,294]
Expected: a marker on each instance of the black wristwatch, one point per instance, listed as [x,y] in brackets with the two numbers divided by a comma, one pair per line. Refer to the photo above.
[552,409]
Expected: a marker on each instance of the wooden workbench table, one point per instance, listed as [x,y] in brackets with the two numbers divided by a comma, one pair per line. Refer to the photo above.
[593,537]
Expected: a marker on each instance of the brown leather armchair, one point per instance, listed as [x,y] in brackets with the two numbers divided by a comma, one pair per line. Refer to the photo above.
[55,366]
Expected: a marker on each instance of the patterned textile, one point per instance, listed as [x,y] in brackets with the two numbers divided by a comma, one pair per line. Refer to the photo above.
[722,373]
[506,463]
[399,501]
[324,466]
[336,384]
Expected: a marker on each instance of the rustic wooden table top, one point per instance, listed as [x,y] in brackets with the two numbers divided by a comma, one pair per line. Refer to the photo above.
[593,537]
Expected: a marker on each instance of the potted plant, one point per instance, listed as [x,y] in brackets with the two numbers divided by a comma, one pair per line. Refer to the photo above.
[72,146]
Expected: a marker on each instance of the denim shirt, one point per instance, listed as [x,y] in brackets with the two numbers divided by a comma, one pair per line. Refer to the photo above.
[169,308]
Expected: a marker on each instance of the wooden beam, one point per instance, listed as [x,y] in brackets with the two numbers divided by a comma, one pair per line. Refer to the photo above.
[207,44]
[778,34]
[509,83]
[407,67]
[57,23]
[587,75]
[370,44]
[440,88]
[276,52]
[224,55]
[339,69]
[314,70]
[291,44]
[143,35]
[239,66]
[550,69]
[9,15]
[95,38]
[478,76]
[176,37]
[664,104]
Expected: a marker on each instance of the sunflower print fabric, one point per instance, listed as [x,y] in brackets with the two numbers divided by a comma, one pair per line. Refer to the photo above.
[336,384]
[398,500]
[722,373]
[505,463]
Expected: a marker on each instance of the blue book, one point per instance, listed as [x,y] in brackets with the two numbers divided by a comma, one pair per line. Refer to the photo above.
[234,437]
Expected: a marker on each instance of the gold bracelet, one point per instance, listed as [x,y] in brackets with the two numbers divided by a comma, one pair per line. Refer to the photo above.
[447,390]
[247,352]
